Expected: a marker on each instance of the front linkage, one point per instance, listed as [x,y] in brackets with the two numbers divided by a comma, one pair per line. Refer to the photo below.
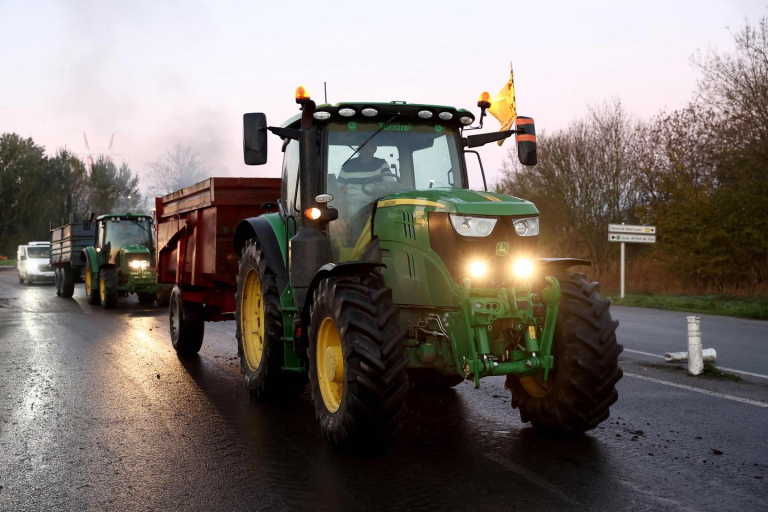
[482,311]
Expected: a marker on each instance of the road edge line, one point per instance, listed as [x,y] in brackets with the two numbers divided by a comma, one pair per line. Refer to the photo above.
[698,390]
[742,372]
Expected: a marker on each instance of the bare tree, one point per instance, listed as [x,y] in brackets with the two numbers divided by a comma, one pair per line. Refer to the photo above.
[585,179]
[179,167]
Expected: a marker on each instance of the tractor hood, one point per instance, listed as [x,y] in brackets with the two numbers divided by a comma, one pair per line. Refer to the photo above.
[460,200]
[134,249]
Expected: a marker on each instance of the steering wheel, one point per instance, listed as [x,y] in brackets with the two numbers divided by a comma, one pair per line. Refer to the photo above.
[381,188]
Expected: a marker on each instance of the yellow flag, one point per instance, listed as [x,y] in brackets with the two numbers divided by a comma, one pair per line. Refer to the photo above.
[503,107]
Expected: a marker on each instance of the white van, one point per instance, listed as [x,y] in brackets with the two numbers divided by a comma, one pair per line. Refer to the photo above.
[33,262]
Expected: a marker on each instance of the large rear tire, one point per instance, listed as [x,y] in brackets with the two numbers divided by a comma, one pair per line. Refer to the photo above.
[260,330]
[187,321]
[582,385]
[357,365]
[108,287]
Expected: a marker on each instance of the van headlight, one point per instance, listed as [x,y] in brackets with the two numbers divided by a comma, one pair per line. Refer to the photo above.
[527,227]
[472,226]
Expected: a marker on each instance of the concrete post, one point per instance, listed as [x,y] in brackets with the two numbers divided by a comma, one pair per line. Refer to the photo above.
[695,356]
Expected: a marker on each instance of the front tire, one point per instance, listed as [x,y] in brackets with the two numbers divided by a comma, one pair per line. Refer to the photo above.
[582,385]
[357,365]
[260,329]
[91,285]
[57,281]
[108,287]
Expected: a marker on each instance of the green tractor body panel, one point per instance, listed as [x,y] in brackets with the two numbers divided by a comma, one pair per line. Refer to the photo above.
[124,241]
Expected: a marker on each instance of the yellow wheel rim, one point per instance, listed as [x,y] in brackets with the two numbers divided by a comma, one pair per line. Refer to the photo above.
[252,320]
[102,289]
[330,364]
[535,386]
[88,278]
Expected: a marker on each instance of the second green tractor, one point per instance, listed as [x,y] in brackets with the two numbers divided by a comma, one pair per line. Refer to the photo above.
[122,261]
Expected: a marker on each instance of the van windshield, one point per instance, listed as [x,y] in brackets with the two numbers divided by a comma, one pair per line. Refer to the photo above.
[38,252]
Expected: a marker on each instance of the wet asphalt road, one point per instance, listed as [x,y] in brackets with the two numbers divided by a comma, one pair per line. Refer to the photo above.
[98,413]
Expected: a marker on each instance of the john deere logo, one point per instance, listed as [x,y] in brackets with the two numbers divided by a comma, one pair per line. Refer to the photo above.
[502,249]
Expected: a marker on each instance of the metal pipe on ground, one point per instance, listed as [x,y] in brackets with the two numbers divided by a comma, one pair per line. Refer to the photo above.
[709,355]
[695,356]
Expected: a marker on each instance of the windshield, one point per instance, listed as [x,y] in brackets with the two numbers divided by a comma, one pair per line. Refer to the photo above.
[38,252]
[401,157]
[128,232]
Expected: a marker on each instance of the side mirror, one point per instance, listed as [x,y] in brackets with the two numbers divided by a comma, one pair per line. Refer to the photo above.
[255,139]
[526,141]
[23,257]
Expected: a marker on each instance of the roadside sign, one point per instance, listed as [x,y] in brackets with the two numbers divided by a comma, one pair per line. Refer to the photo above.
[623,228]
[643,239]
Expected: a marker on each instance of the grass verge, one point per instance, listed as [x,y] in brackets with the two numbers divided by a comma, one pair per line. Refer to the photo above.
[7,263]
[755,307]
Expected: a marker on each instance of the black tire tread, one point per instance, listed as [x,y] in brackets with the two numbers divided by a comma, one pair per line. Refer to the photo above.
[375,363]
[110,287]
[584,385]
[269,381]
[68,281]
[189,339]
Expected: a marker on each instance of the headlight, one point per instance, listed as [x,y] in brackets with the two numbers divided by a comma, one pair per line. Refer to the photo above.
[523,268]
[139,264]
[527,227]
[477,269]
[472,226]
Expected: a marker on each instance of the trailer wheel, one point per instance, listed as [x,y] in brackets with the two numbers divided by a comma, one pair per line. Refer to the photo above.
[429,379]
[357,365]
[57,280]
[260,330]
[108,287]
[67,281]
[582,385]
[91,285]
[187,321]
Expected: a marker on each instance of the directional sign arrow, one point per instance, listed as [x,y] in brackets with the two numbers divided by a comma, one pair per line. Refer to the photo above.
[642,239]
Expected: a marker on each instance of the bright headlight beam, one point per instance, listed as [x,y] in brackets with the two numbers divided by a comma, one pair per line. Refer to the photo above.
[523,268]
[477,269]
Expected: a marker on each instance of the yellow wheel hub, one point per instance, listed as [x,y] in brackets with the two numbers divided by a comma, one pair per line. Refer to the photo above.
[252,320]
[88,278]
[535,386]
[102,289]
[330,364]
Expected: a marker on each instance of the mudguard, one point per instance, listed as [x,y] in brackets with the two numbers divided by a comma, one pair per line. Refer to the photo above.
[350,268]
[560,264]
[90,257]
[261,228]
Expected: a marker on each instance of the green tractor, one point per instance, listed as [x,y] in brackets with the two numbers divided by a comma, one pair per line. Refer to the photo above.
[382,270]
[122,261]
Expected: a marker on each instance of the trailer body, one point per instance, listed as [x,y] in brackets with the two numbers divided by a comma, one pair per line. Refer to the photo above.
[67,245]
[194,230]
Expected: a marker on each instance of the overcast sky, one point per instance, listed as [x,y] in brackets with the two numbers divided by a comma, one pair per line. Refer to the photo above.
[157,73]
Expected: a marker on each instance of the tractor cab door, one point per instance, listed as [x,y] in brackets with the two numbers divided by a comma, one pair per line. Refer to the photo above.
[290,195]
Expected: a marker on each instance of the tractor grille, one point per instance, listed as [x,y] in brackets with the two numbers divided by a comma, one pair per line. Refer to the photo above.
[457,251]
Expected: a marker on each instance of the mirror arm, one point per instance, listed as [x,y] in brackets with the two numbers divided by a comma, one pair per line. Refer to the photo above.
[284,133]
[474,141]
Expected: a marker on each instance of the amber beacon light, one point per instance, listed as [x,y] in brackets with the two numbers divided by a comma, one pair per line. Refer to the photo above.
[484,101]
[302,94]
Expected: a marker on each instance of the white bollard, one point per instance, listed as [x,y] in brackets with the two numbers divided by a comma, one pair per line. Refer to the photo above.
[709,354]
[695,356]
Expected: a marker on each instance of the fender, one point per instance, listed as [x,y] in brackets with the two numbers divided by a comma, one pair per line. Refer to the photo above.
[350,268]
[91,259]
[560,264]
[260,227]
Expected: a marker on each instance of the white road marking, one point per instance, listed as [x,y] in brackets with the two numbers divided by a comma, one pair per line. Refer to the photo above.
[742,372]
[698,390]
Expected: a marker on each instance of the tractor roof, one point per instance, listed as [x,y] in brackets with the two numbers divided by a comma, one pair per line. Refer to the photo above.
[128,215]
[389,109]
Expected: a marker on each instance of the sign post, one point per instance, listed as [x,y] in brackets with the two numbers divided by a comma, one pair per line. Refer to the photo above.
[623,233]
